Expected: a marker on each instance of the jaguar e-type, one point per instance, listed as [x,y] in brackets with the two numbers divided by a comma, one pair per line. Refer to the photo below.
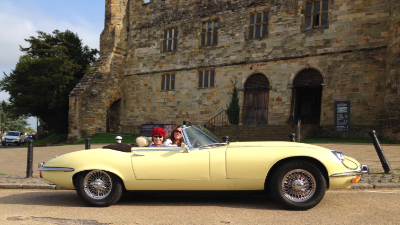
[296,175]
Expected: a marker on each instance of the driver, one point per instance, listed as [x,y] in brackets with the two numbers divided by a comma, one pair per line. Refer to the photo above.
[158,137]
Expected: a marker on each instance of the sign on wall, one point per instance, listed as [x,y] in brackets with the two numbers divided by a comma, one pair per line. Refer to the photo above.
[147,128]
[342,116]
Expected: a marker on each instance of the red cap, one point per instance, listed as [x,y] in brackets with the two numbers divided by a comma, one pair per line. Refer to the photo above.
[158,131]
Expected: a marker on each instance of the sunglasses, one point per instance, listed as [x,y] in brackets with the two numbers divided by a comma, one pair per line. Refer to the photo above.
[156,136]
[178,131]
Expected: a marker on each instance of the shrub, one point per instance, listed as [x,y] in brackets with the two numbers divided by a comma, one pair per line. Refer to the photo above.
[83,134]
[234,108]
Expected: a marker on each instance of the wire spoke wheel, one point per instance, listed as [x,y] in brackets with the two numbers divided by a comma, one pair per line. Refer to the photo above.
[298,185]
[97,184]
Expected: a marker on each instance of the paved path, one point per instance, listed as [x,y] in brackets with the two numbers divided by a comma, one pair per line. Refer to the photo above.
[39,207]
[13,163]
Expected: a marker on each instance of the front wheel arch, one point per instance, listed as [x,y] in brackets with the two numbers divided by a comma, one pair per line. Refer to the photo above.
[314,161]
[75,176]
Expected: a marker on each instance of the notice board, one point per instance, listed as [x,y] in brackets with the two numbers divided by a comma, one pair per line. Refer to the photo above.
[342,116]
[147,128]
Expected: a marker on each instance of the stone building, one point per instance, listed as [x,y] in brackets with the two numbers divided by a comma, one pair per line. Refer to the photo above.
[165,61]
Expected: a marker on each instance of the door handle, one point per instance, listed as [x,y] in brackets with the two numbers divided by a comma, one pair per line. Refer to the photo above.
[137,154]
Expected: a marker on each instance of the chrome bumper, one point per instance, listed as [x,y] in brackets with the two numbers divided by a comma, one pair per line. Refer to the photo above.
[364,170]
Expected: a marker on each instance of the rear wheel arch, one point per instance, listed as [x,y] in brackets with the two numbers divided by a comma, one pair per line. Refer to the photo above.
[314,161]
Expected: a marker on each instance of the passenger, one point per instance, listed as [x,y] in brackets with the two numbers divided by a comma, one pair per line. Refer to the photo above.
[158,137]
[175,138]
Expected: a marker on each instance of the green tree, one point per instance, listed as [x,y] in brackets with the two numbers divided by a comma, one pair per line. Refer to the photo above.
[234,108]
[11,121]
[30,130]
[50,68]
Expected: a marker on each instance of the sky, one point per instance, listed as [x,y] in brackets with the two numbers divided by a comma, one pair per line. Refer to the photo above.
[20,19]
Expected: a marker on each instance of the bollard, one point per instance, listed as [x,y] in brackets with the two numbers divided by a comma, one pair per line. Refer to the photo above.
[30,159]
[87,143]
[292,137]
[118,139]
[225,139]
[379,151]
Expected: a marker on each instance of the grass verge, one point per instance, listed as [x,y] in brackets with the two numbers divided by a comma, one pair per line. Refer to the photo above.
[47,139]
[100,138]
[341,140]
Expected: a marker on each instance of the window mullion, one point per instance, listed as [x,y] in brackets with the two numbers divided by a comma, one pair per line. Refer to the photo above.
[204,77]
[312,16]
[320,14]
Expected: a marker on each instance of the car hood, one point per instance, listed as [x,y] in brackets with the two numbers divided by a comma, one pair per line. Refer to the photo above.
[273,144]
[10,137]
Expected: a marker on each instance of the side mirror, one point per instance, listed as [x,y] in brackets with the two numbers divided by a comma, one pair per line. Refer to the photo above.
[186,147]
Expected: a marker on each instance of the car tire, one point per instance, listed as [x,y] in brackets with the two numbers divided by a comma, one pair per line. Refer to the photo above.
[298,185]
[99,188]
[19,143]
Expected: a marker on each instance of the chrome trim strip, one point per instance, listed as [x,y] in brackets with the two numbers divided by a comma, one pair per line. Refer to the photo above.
[364,170]
[56,169]
[355,173]
[348,166]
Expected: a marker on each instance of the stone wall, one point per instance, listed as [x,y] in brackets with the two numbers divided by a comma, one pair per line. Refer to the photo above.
[353,25]
[391,116]
[350,55]
[354,55]
[364,70]
[91,99]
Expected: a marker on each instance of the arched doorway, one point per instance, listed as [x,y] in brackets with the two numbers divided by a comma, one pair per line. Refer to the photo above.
[113,117]
[306,97]
[256,98]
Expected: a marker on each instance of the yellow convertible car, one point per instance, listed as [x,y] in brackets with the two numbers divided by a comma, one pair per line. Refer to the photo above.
[297,175]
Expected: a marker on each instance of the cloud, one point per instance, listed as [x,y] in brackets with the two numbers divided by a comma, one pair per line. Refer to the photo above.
[20,20]
[19,23]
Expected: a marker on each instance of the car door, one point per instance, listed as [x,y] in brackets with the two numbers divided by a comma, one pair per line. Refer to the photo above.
[170,164]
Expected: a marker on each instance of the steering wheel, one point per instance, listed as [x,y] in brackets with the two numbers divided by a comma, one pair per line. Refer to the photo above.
[195,143]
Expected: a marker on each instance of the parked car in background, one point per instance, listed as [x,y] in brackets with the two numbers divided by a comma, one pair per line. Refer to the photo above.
[13,137]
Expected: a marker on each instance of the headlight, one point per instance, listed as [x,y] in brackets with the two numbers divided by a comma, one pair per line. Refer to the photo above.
[339,155]
[17,138]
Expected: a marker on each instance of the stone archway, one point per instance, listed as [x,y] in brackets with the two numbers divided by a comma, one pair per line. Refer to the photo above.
[306,97]
[113,117]
[256,99]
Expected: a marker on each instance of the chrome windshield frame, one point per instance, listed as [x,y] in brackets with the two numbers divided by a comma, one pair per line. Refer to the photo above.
[187,141]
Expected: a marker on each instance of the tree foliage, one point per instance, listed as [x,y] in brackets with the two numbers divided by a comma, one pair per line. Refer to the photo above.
[50,68]
[30,130]
[234,108]
[11,121]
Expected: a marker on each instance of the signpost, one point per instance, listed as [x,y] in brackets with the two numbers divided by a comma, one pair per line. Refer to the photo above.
[342,117]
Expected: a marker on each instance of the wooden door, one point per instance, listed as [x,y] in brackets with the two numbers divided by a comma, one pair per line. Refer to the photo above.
[256,99]
[307,96]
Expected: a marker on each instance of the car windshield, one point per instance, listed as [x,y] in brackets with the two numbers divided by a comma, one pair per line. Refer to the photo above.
[199,136]
[12,133]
